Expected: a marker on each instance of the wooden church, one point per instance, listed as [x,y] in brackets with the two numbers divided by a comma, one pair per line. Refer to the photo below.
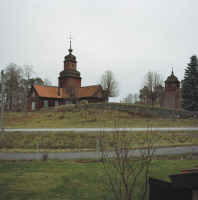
[69,90]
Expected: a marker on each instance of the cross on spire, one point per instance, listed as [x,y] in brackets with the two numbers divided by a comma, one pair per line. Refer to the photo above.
[70,37]
[70,50]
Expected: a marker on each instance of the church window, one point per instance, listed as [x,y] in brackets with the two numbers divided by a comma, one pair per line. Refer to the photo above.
[77,102]
[56,103]
[169,85]
[45,103]
[173,85]
[33,94]
[99,94]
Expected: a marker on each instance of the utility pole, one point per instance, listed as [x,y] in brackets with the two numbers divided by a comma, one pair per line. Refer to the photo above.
[2,112]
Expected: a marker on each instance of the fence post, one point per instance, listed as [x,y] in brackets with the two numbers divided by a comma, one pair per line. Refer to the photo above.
[97,149]
[2,112]
[155,148]
[37,152]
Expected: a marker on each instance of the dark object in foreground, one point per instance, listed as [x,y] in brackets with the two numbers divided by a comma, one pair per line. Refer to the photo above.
[183,187]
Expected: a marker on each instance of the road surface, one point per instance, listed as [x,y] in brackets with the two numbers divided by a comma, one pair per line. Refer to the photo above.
[101,129]
[94,154]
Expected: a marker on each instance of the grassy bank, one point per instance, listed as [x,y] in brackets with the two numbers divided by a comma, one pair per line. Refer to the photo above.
[69,117]
[59,180]
[73,142]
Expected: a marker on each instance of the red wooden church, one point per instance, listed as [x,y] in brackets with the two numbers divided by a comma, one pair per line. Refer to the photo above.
[69,89]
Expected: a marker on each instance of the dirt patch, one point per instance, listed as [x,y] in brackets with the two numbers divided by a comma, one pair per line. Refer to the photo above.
[61,117]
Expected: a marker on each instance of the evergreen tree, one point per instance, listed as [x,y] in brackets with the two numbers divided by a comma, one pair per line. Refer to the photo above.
[190,86]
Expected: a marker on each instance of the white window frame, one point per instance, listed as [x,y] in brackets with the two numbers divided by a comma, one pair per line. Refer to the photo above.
[33,105]
[45,103]
[77,102]
[67,102]
[33,94]
[56,103]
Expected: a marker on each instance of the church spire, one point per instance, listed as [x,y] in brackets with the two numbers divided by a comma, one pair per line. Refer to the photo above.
[70,50]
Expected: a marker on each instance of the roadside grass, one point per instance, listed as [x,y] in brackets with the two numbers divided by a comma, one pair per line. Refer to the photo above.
[69,117]
[63,180]
[78,142]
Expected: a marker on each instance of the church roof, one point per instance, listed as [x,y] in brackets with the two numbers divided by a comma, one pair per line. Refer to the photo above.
[172,78]
[52,92]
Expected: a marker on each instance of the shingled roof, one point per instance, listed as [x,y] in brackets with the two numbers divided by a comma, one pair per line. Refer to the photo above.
[52,92]
[172,78]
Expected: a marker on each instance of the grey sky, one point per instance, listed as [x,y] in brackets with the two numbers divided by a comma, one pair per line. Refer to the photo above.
[128,37]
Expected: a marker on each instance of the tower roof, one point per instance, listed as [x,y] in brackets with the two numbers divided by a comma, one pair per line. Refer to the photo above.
[172,78]
[70,57]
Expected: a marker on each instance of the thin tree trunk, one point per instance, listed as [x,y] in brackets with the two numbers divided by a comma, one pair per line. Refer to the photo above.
[153,102]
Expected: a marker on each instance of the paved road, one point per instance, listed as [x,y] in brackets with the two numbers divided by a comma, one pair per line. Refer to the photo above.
[33,156]
[102,129]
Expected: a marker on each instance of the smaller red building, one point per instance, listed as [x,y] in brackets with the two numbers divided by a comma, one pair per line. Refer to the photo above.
[69,89]
[172,96]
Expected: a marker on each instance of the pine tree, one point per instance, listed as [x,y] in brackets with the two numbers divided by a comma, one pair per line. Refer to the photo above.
[190,86]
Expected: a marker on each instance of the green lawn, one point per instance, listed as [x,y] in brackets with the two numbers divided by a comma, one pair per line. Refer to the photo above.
[56,180]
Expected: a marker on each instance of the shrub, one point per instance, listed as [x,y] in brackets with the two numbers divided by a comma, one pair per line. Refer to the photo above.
[65,108]
[45,156]
[84,102]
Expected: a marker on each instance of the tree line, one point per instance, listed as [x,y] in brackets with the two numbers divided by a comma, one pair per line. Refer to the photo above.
[17,83]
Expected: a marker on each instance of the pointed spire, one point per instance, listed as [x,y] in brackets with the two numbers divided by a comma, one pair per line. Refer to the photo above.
[172,69]
[70,50]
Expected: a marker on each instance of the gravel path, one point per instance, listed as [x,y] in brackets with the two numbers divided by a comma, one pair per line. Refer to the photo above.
[33,156]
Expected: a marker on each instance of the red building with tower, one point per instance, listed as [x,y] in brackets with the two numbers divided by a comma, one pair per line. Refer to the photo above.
[172,96]
[69,89]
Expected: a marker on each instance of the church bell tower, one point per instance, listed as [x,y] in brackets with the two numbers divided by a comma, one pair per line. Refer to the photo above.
[69,77]
[172,83]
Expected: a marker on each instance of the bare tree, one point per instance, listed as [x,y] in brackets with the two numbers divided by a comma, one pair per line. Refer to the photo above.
[152,87]
[72,92]
[47,82]
[27,74]
[110,85]
[131,98]
[12,83]
[124,174]
[135,97]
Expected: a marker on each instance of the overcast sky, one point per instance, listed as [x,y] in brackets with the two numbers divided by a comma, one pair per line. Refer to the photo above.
[128,37]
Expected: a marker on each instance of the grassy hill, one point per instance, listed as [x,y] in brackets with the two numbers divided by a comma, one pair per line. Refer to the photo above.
[70,117]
